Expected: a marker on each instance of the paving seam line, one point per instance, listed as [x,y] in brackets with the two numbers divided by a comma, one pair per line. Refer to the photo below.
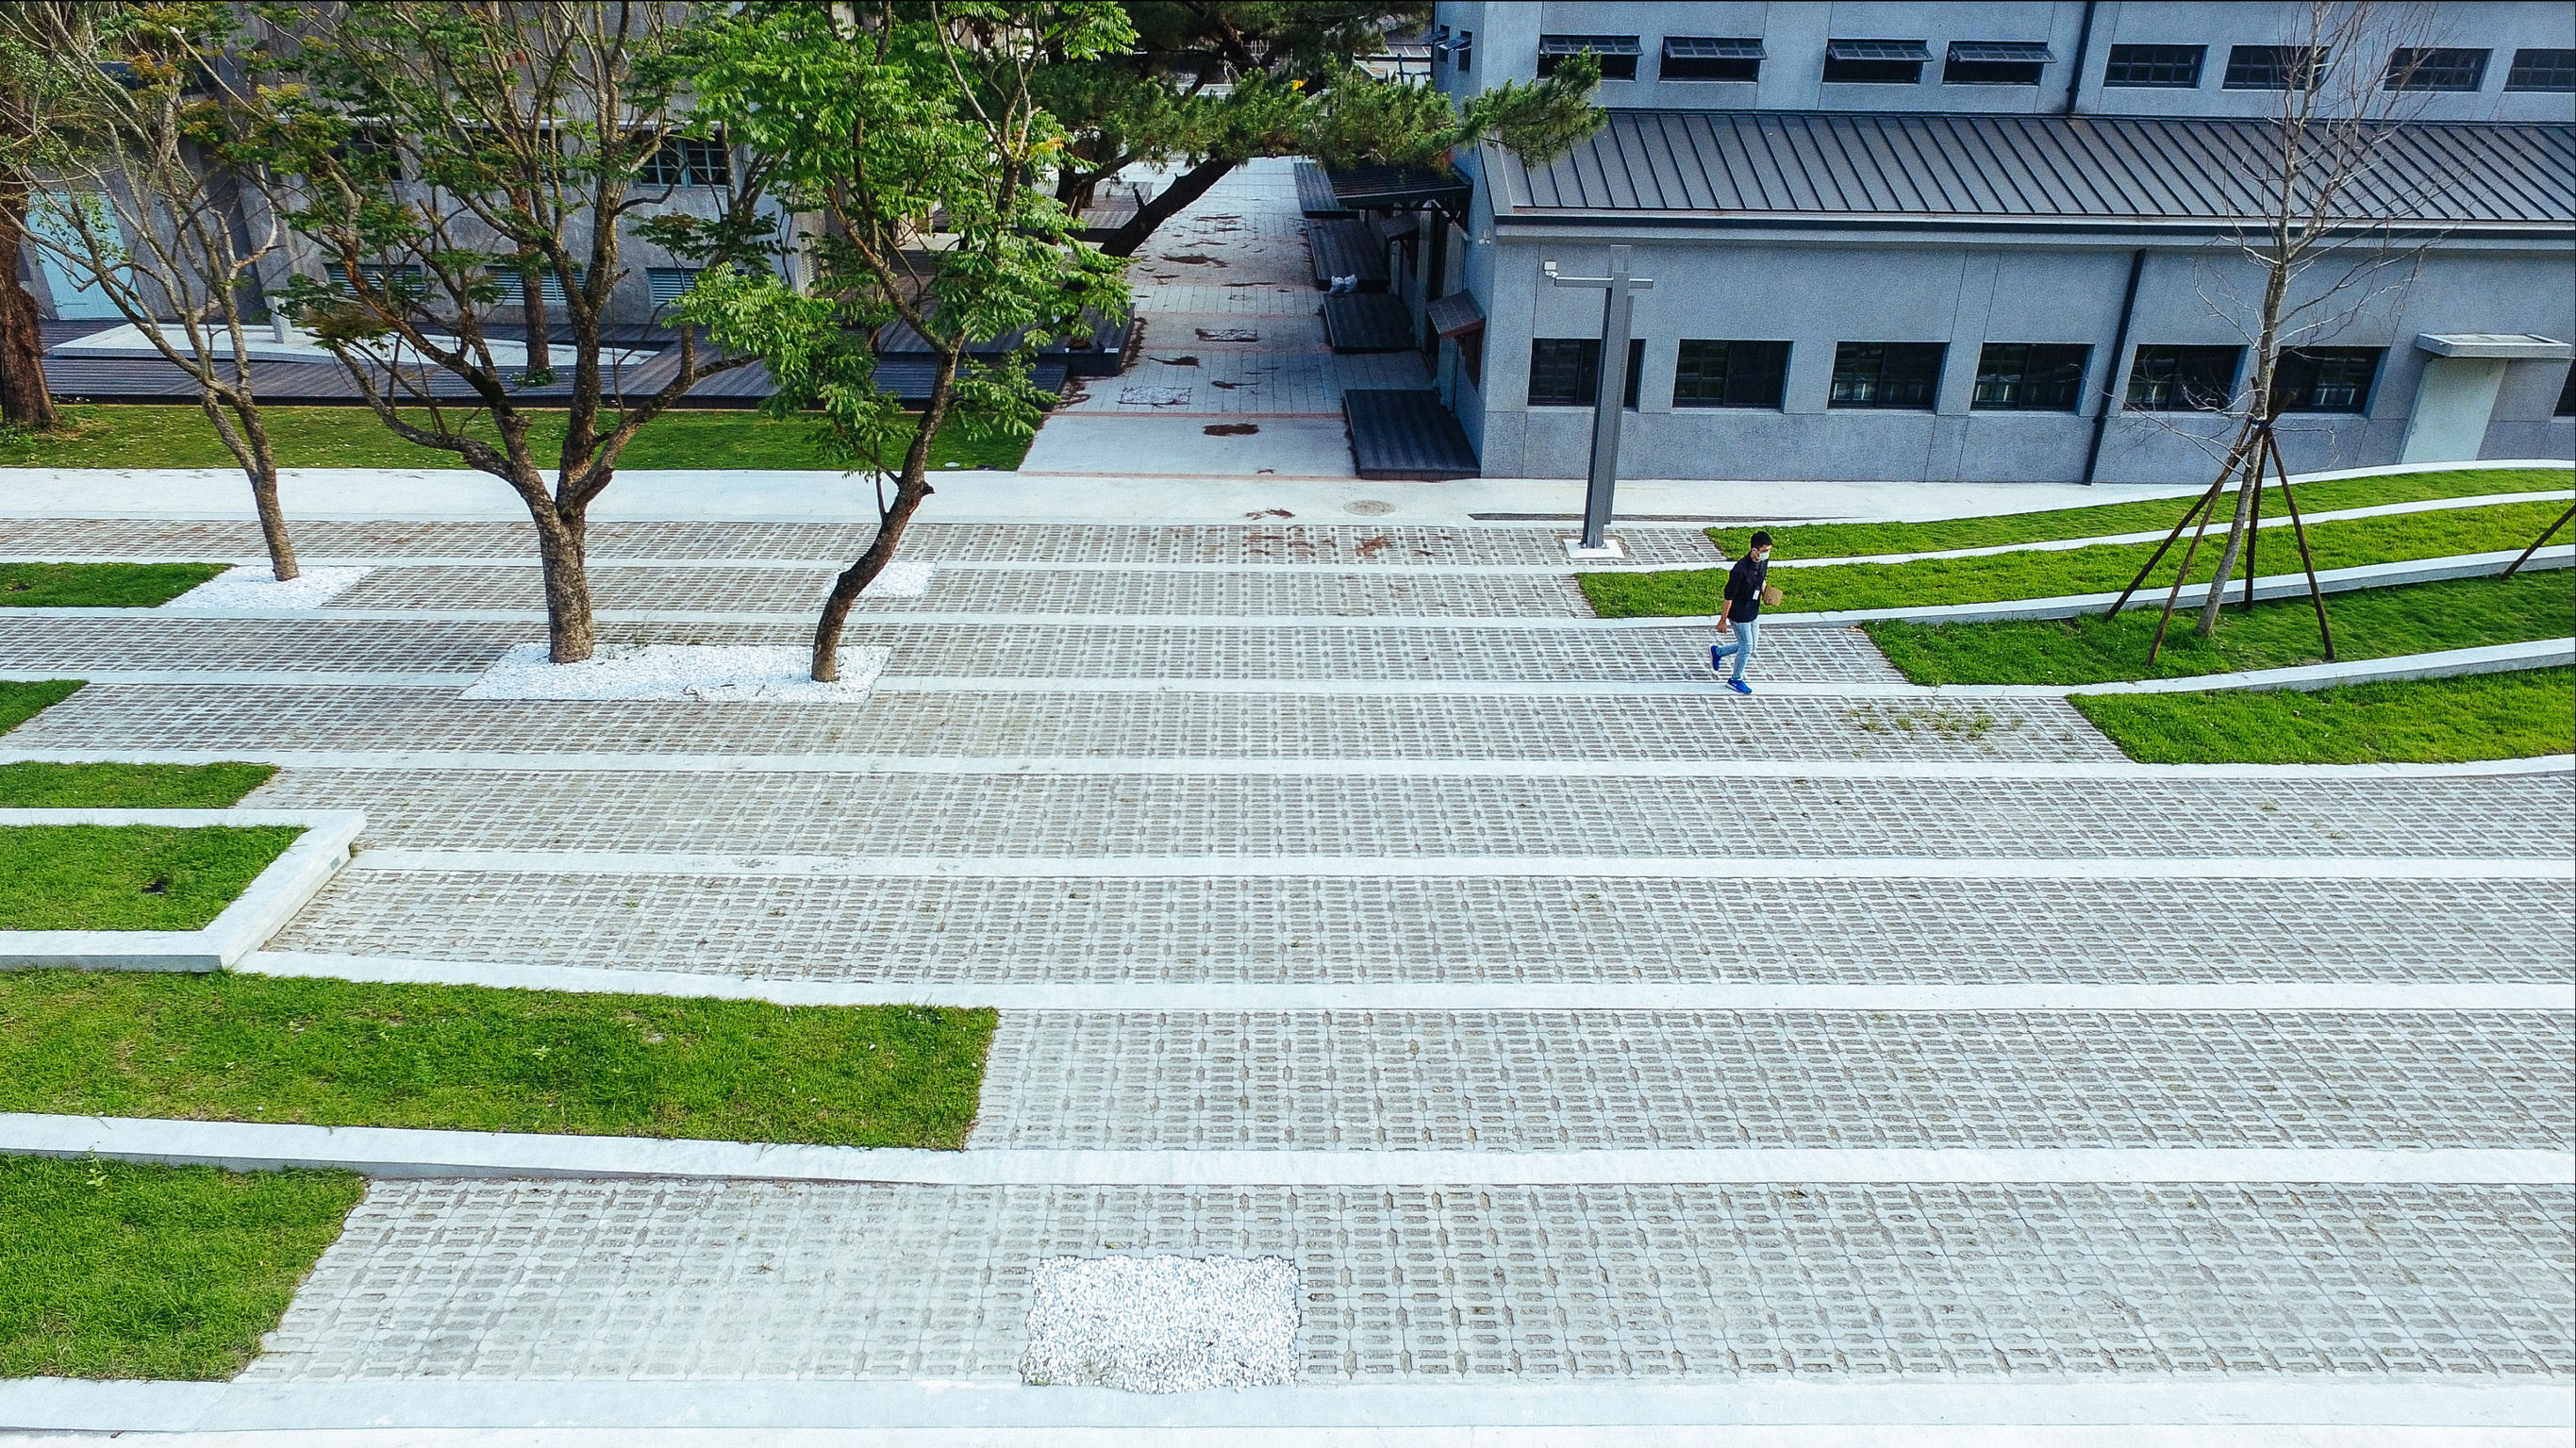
[1645,997]
[406,1152]
[1701,769]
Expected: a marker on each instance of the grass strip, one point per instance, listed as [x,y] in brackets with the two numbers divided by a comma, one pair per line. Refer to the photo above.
[22,700]
[30,785]
[129,877]
[351,437]
[2102,569]
[2403,721]
[112,1270]
[2370,623]
[342,1053]
[99,585]
[1856,540]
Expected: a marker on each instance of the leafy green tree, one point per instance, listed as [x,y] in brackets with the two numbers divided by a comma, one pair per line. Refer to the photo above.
[448,156]
[912,133]
[1214,83]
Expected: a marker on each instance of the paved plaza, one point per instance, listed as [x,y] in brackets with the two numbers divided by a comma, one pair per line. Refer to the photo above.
[1318,837]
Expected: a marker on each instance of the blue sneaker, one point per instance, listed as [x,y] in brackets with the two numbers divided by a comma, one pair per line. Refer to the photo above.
[1714,666]
[1739,686]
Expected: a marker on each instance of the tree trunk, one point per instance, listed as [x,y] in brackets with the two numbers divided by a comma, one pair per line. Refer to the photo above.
[24,400]
[539,367]
[562,549]
[1189,186]
[259,463]
[2236,530]
[911,487]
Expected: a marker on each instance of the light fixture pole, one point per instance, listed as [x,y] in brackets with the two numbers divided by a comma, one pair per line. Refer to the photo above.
[1618,310]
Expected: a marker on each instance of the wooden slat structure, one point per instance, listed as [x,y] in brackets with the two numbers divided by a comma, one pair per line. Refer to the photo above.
[1315,195]
[1102,354]
[1406,433]
[1367,322]
[1346,249]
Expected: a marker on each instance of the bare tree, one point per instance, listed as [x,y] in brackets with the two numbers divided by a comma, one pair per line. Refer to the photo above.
[30,92]
[450,158]
[140,212]
[2329,233]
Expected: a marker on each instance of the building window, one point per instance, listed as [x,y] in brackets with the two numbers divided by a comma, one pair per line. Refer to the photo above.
[1471,356]
[1881,62]
[1566,371]
[1730,374]
[2542,70]
[2030,377]
[1887,374]
[514,288]
[2183,379]
[2324,379]
[2567,396]
[2275,67]
[668,282]
[687,161]
[1465,54]
[1705,57]
[1618,53]
[2174,67]
[1995,62]
[2436,70]
[402,282]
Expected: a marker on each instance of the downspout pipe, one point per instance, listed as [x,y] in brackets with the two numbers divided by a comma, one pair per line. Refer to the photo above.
[2111,373]
[2075,71]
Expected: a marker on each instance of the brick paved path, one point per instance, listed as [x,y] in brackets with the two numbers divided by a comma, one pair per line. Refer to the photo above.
[1312,840]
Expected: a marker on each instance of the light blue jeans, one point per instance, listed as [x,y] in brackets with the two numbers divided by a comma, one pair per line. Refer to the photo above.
[1742,648]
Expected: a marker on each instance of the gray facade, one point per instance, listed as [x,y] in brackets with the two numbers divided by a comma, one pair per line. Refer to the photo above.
[1790,210]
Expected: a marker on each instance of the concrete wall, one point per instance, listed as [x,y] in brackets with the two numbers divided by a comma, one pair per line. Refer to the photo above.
[1965,294]
[1794,33]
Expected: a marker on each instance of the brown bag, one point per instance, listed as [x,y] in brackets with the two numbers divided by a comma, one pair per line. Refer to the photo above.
[1771,595]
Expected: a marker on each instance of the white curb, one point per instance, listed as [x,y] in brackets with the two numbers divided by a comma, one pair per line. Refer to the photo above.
[244,926]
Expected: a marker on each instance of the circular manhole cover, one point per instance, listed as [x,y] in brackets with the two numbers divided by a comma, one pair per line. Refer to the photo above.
[1368,507]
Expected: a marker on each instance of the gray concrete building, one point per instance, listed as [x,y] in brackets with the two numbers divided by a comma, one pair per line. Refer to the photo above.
[2000,242]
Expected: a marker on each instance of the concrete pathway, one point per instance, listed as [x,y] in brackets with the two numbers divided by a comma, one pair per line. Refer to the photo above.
[1638,1055]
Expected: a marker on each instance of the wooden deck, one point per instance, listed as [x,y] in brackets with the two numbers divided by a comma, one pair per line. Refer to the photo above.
[1367,322]
[1406,433]
[1315,195]
[1344,249]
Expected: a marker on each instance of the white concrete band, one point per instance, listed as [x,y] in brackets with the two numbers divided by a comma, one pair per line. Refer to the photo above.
[2375,997]
[397,1152]
[260,911]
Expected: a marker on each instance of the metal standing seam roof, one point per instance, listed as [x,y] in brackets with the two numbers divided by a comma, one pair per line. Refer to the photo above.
[1702,167]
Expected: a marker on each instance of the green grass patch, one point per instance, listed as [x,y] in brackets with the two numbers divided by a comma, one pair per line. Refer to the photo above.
[2102,569]
[110,1270]
[129,877]
[1858,540]
[99,585]
[22,700]
[129,786]
[2405,721]
[351,437]
[2372,623]
[342,1053]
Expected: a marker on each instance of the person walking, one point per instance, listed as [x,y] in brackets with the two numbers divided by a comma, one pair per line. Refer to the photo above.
[1747,589]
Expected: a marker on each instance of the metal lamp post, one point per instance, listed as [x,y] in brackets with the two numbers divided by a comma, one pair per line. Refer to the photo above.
[1618,310]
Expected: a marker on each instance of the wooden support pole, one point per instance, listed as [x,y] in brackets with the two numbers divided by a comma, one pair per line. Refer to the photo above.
[2543,538]
[2307,559]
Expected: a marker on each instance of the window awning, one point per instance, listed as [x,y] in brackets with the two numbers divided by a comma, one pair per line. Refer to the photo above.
[2006,51]
[2510,346]
[1455,315]
[1597,44]
[1705,47]
[1876,50]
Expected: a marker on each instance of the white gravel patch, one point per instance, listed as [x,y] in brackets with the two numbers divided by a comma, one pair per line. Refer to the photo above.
[1154,396]
[903,578]
[703,672]
[1162,1324]
[255,586]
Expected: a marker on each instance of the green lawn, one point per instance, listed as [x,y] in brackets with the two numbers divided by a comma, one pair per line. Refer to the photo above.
[99,585]
[341,1053]
[351,437]
[2408,721]
[129,786]
[129,877]
[22,700]
[1858,540]
[109,1270]
[2458,613]
[2102,569]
